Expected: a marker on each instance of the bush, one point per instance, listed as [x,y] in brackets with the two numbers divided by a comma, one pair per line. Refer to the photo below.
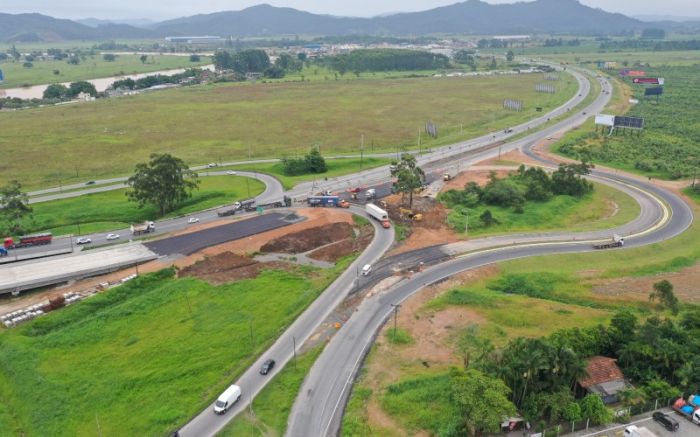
[312,163]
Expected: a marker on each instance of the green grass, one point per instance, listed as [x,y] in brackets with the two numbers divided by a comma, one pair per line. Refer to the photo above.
[336,168]
[117,356]
[230,122]
[93,67]
[112,210]
[272,406]
[560,213]
[398,337]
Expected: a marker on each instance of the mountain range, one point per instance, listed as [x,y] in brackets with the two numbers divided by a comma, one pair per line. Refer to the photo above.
[469,17]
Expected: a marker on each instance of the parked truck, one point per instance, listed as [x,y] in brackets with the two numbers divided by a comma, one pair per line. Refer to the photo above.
[638,431]
[690,410]
[143,228]
[28,241]
[378,214]
[615,241]
[333,201]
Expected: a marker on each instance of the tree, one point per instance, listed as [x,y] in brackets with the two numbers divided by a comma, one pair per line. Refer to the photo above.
[593,408]
[663,292]
[315,163]
[568,179]
[195,58]
[74,60]
[27,65]
[164,182]
[109,57]
[409,177]
[471,344]
[143,58]
[301,56]
[510,56]
[488,219]
[55,91]
[482,401]
[15,207]
[82,86]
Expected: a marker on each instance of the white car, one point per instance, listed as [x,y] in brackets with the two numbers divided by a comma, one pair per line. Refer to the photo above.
[212,165]
[193,220]
[83,240]
[366,269]
[231,173]
[112,236]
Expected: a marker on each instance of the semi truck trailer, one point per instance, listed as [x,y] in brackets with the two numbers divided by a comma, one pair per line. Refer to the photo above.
[615,241]
[378,214]
[28,241]
[143,228]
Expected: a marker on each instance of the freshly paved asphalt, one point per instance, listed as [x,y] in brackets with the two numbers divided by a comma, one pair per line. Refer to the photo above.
[192,242]
[319,406]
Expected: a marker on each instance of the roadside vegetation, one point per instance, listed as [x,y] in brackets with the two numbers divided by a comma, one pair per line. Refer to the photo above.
[84,65]
[219,122]
[107,363]
[113,210]
[530,199]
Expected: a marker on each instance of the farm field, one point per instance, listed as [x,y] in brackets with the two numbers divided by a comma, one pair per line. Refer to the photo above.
[404,386]
[232,122]
[668,146]
[112,210]
[93,67]
[90,363]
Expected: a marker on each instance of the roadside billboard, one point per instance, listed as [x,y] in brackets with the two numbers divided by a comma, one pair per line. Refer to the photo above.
[633,73]
[649,80]
[605,120]
[654,91]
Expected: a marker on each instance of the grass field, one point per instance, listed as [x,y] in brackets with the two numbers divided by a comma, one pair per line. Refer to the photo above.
[272,406]
[605,208]
[143,358]
[232,122]
[112,210]
[93,67]
[336,168]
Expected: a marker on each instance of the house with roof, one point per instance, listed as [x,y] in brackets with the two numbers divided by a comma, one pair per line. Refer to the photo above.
[604,378]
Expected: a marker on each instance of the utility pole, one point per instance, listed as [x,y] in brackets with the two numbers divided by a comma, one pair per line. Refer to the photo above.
[466,226]
[247,185]
[419,148]
[99,430]
[396,312]
[362,149]
[252,342]
[294,343]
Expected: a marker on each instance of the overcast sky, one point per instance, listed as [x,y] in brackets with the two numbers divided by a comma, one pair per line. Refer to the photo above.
[159,9]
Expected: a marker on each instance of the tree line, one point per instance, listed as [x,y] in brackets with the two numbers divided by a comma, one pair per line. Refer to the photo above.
[359,61]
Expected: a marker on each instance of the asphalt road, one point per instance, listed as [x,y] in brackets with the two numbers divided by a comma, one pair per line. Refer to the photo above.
[192,242]
[685,429]
[273,192]
[319,406]
[251,382]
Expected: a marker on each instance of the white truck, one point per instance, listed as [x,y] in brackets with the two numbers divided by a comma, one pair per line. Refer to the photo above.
[638,431]
[615,241]
[229,397]
[143,228]
[378,214]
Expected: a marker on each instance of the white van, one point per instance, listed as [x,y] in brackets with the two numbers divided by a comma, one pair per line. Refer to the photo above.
[366,269]
[227,399]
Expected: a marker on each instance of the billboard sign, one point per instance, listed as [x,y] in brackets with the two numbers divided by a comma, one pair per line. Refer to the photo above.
[649,80]
[629,122]
[654,91]
[633,73]
[605,120]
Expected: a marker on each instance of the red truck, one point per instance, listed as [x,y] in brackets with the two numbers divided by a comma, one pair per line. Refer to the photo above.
[28,241]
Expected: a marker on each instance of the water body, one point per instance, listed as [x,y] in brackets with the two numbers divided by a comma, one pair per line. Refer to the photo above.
[101,84]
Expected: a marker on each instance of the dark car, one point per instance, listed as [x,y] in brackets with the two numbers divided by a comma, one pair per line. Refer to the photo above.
[665,420]
[267,366]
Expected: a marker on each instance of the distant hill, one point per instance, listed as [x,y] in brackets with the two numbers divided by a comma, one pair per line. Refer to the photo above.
[143,23]
[37,27]
[469,17]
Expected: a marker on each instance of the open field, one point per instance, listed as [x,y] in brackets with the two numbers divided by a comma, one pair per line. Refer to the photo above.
[93,67]
[112,210]
[272,406]
[114,358]
[603,209]
[232,122]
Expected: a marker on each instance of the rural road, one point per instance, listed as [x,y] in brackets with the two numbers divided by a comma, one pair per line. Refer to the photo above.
[319,406]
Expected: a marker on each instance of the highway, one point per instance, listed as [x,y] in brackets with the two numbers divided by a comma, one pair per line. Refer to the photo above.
[319,406]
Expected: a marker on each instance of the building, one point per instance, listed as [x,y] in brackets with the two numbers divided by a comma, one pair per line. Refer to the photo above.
[207,39]
[604,378]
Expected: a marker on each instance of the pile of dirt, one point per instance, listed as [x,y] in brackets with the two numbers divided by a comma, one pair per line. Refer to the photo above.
[433,212]
[227,267]
[308,239]
[333,252]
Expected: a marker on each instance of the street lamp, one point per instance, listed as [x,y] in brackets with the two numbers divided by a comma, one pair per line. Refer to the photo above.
[396,311]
